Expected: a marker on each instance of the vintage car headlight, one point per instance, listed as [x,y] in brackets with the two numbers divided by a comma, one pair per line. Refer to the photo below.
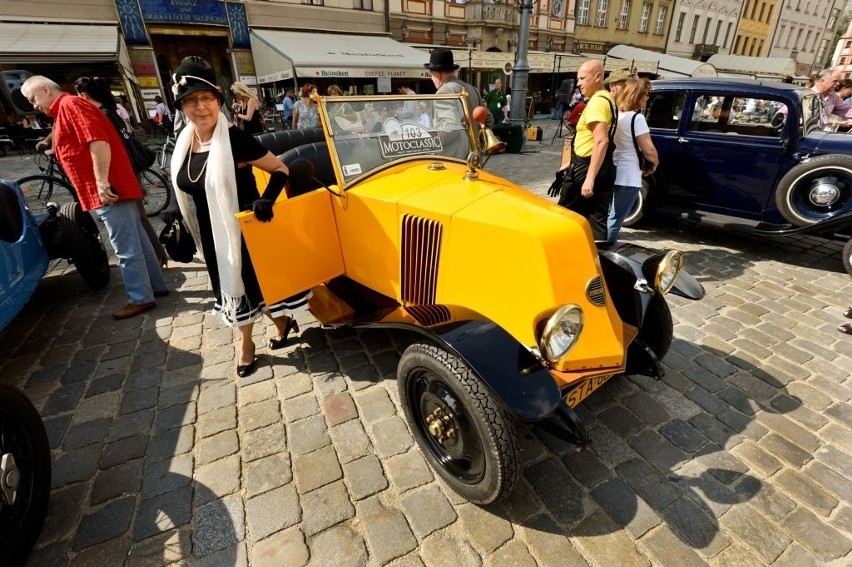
[662,269]
[561,332]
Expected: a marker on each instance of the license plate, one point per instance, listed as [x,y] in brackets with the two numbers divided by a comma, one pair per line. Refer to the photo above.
[581,392]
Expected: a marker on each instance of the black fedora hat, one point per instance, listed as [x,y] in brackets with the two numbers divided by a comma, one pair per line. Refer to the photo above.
[191,77]
[441,59]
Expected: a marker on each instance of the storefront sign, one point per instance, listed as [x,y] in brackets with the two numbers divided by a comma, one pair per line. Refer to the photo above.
[592,47]
[279,76]
[184,11]
[144,69]
[371,72]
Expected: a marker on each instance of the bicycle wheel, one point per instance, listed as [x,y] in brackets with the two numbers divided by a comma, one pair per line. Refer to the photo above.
[155,191]
[40,189]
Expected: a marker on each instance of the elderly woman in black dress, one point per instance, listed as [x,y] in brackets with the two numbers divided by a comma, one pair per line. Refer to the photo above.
[212,165]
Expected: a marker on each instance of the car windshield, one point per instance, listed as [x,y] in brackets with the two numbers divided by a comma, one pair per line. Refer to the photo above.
[370,133]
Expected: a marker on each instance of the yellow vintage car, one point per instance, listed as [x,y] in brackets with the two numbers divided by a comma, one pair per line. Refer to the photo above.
[393,223]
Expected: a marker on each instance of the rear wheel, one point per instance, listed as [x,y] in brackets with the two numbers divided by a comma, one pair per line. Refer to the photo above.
[815,190]
[155,192]
[639,212]
[38,190]
[24,475]
[458,424]
[82,242]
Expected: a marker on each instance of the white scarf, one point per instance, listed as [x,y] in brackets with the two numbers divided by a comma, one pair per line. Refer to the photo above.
[220,187]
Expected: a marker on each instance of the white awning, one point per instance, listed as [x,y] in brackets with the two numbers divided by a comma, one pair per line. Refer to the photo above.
[22,43]
[279,55]
[667,65]
[758,66]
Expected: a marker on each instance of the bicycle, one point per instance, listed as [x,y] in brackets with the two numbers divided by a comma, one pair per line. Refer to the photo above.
[164,154]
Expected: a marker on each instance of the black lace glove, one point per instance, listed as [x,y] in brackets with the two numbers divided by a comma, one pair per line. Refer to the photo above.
[556,186]
[168,217]
[262,209]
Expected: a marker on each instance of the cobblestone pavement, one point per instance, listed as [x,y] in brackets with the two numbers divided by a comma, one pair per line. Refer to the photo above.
[739,456]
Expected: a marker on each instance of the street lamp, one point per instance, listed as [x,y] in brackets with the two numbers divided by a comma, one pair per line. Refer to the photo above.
[521,69]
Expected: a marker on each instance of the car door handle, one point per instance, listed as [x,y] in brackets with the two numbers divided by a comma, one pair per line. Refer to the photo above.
[682,141]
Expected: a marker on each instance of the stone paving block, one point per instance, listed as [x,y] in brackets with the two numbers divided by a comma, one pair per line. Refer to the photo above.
[784,449]
[804,489]
[63,513]
[123,450]
[803,415]
[408,470]
[272,511]
[267,473]
[125,478]
[163,549]
[308,435]
[101,406]
[840,413]
[721,464]
[391,437]
[547,543]
[263,442]
[56,428]
[211,399]
[255,393]
[621,421]
[715,430]
[757,531]
[300,407]
[693,524]
[375,405]
[566,505]
[364,477]
[736,555]
[791,431]
[704,378]
[765,498]
[283,549]
[362,377]
[86,433]
[448,548]
[259,415]
[316,469]
[64,399]
[513,553]
[487,527]
[112,552]
[105,523]
[294,385]
[217,479]
[339,545]
[744,425]
[234,555]
[739,400]
[163,513]
[798,556]
[648,483]
[216,421]
[174,417]
[75,466]
[666,548]
[629,511]
[657,450]
[387,533]
[142,379]
[386,363]
[683,436]
[611,449]
[220,445]
[78,372]
[218,525]
[139,399]
[427,511]
[601,542]
[325,507]
[164,476]
[339,408]
[330,384]
[521,503]
[705,400]
[172,442]
[179,395]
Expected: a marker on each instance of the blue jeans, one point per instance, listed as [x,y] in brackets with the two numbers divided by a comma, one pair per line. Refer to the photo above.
[137,259]
[623,198]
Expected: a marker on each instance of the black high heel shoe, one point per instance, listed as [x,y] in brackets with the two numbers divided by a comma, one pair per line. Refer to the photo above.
[244,370]
[292,325]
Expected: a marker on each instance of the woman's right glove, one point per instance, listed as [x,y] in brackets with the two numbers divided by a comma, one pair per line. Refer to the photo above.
[168,217]
[556,186]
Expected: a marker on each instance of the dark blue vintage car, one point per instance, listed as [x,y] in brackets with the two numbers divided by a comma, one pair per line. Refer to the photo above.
[748,154]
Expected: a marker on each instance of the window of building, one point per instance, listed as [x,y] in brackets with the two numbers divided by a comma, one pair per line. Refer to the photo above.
[583,12]
[313,2]
[362,4]
[759,48]
[728,33]
[623,14]
[780,33]
[753,10]
[679,31]
[816,40]
[716,35]
[769,15]
[706,29]
[807,41]
[799,39]
[643,21]
[694,29]
[848,45]
[762,8]
[661,20]
[789,38]
[600,17]
[737,41]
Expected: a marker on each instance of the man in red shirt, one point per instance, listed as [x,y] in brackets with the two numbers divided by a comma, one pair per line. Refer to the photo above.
[93,156]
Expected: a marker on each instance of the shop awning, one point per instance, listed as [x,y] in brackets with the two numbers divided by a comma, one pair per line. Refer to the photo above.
[280,55]
[778,67]
[22,43]
[667,65]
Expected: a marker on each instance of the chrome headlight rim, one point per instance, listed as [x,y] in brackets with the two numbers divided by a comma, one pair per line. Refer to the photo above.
[667,271]
[553,325]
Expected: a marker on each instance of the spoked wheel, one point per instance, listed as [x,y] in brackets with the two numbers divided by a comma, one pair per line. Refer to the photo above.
[24,475]
[82,243]
[464,434]
[155,192]
[815,190]
[39,190]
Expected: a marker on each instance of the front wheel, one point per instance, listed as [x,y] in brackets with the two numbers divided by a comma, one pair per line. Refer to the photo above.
[466,437]
[815,190]
[156,194]
[82,242]
[657,327]
[24,475]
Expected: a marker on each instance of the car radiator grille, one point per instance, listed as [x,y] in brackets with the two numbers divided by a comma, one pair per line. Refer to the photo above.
[428,315]
[421,248]
[595,291]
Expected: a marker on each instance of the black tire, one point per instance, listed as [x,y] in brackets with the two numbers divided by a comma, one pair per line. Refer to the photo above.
[82,242]
[639,213]
[847,257]
[477,452]
[155,192]
[22,437]
[815,190]
[40,189]
[657,327]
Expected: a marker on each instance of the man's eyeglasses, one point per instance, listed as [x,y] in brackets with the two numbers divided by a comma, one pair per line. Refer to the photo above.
[205,100]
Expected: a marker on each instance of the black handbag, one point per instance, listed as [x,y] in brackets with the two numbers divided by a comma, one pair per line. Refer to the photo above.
[644,164]
[141,156]
[178,242]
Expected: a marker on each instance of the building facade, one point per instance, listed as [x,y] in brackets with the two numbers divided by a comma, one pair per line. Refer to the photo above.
[842,58]
[602,24]
[805,29]
[701,28]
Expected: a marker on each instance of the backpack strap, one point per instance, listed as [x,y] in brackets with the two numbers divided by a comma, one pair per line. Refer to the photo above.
[633,133]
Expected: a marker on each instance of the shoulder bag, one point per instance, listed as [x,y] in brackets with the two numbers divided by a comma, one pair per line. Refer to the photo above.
[644,164]
[178,242]
[141,156]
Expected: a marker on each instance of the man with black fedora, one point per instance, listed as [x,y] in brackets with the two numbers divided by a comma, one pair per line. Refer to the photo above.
[443,70]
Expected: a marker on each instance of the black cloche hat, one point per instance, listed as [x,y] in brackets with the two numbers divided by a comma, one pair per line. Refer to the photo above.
[441,59]
[191,77]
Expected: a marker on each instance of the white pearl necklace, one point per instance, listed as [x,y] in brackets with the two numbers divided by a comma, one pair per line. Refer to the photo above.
[189,158]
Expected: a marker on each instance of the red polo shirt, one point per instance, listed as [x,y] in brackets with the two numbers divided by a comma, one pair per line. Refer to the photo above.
[78,124]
